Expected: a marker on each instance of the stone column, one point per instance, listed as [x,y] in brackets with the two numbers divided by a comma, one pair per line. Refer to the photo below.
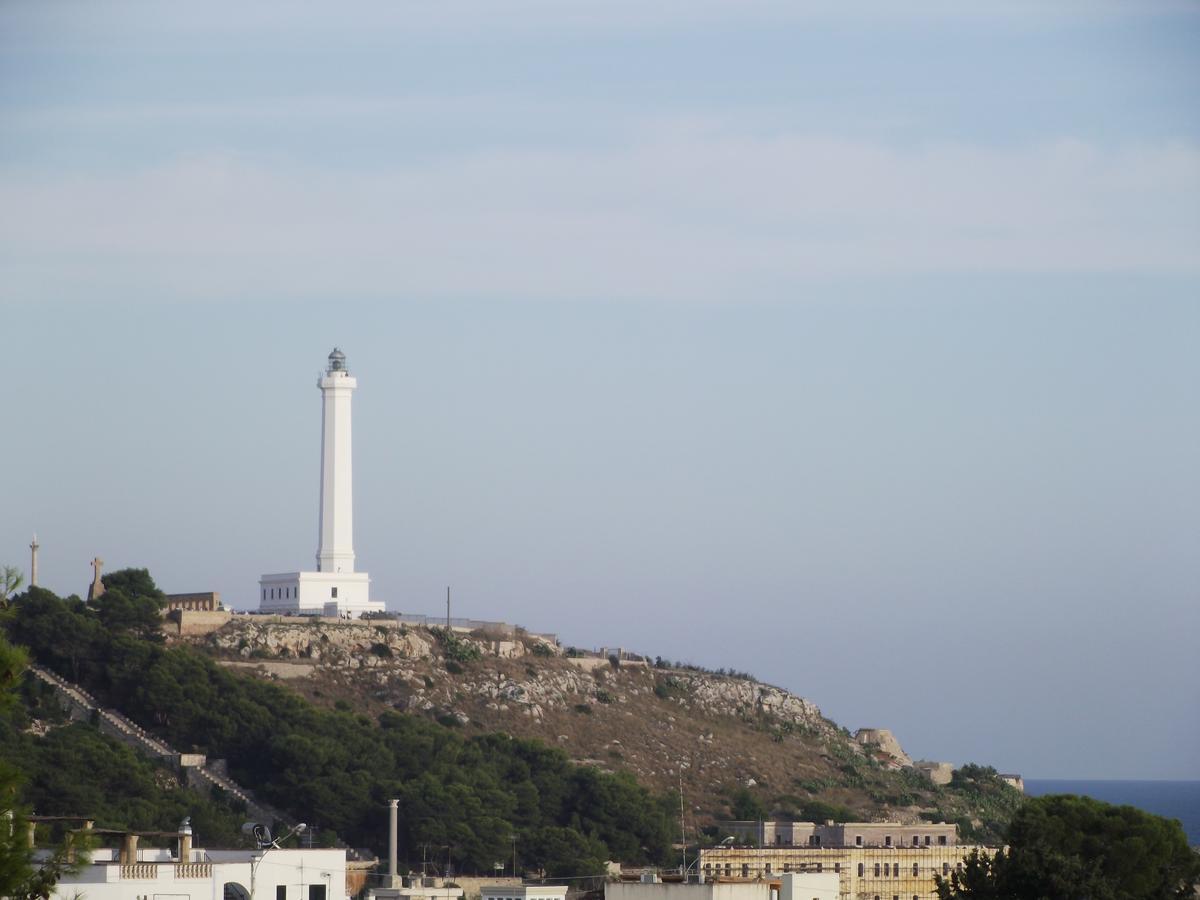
[393,828]
[129,842]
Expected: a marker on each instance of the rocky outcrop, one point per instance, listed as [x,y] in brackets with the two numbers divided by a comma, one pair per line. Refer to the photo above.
[349,644]
[885,744]
[401,656]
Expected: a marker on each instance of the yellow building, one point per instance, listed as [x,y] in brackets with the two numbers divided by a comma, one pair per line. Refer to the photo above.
[866,873]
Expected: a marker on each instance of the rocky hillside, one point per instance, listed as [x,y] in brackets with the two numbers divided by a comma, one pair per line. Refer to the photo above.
[738,746]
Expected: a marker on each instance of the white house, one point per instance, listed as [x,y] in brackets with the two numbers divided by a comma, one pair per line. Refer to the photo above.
[790,886]
[198,874]
[523,892]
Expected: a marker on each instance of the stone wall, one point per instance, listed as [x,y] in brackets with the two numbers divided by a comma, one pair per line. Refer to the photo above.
[185,622]
[936,772]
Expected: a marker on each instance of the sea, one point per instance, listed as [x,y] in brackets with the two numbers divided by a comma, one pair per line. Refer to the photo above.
[1172,799]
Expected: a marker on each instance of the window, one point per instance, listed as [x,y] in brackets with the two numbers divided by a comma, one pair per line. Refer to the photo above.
[945,869]
[745,870]
[887,869]
[316,892]
[916,841]
[887,841]
[926,840]
[941,840]
[281,892]
[895,897]
[728,870]
[264,593]
[876,870]
[768,868]
[858,840]
[860,870]
[778,839]
[837,867]
[816,840]
[916,871]
[787,867]
[333,593]
[708,870]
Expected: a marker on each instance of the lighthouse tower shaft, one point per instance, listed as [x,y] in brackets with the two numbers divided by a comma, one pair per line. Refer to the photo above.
[335,542]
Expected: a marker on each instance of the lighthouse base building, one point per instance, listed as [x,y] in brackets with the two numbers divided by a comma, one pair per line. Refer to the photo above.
[317,594]
[335,589]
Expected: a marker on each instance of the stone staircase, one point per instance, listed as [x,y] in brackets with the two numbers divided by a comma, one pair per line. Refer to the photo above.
[83,706]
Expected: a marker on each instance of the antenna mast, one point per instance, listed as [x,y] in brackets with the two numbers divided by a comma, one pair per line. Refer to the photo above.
[682,828]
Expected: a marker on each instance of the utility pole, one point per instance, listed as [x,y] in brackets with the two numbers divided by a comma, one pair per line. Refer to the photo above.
[682,828]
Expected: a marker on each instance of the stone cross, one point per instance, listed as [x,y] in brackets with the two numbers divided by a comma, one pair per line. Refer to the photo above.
[97,587]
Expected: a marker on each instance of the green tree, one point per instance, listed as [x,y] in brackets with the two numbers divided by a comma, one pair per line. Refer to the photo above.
[745,806]
[11,580]
[20,879]
[1066,847]
[132,603]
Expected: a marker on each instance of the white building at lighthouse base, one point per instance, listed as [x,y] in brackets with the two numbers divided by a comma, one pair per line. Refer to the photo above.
[317,594]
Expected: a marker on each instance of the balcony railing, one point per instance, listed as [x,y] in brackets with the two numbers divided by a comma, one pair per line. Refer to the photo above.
[140,871]
[193,870]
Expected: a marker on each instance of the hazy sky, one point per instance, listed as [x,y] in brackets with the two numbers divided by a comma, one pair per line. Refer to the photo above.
[855,349]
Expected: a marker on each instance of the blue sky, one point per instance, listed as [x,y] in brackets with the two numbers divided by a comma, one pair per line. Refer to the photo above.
[854,348]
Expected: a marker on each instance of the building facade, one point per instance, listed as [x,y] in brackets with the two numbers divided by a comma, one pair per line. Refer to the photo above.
[842,834]
[792,886]
[205,601]
[864,873]
[198,874]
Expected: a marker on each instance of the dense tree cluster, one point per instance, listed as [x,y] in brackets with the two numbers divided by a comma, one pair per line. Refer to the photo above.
[1064,847]
[75,770]
[336,769]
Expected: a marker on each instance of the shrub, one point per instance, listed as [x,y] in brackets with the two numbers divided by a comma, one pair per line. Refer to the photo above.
[454,647]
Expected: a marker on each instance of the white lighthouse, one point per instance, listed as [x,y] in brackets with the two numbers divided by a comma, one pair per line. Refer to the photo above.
[335,589]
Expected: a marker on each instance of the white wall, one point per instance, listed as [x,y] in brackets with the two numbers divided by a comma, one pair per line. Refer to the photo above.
[809,886]
[297,870]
